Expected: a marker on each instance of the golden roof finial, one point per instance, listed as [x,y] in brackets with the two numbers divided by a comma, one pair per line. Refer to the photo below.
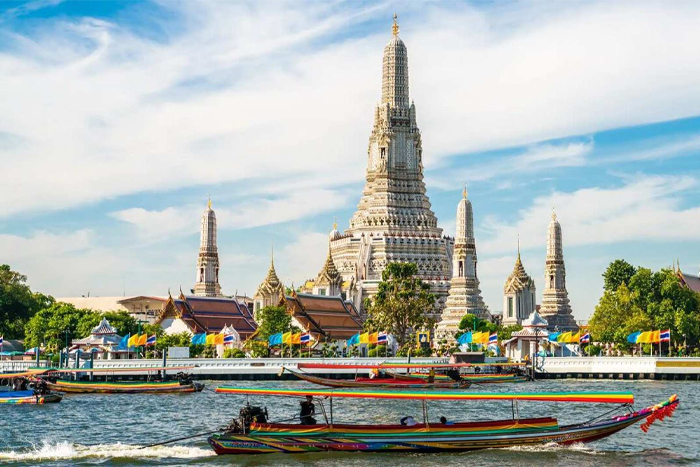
[335,223]
[554,214]
[209,202]
[518,246]
[395,26]
[464,191]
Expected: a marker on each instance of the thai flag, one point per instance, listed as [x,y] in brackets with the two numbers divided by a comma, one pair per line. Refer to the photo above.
[585,339]
[665,336]
[493,338]
[305,338]
[151,340]
[1,341]
[228,339]
[382,338]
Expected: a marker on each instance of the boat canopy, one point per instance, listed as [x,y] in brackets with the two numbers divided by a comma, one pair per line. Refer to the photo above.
[594,397]
[21,375]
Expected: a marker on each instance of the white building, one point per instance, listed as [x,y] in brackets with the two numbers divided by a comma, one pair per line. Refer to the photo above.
[518,295]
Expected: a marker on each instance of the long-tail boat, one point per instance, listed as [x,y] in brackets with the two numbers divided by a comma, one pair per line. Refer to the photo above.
[182,384]
[26,391]
[389,369]
[393,381]
[252,434]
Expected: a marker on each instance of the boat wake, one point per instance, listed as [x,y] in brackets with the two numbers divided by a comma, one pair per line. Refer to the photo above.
[48,451]
[553,447]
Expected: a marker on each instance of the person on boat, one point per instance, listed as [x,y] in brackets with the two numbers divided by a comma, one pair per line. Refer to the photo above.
[431,375]
[307,411]
[444,421]
[408,421]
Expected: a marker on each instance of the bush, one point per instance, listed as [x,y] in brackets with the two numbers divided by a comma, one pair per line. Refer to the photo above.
[378,351]
[234,353]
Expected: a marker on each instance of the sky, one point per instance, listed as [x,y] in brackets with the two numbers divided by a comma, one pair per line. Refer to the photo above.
[119,119]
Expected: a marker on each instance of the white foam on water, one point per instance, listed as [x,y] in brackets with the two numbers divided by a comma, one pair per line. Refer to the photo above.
[554,447]
[66,451]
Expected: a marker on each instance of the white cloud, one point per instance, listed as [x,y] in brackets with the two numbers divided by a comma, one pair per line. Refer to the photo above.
[250,90]
[302,258]
[645,208]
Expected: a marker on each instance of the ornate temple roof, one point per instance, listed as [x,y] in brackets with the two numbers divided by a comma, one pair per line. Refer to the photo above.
[689,280]
[272,283]
[210,314]
[329,274]
[335,233]
[103,328]
[395,75]
[535,320]
[328,316]
[518,279]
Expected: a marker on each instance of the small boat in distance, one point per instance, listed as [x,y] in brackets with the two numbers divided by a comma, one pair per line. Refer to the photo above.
[163,384]
[22,390]
[28,397]
[252,434]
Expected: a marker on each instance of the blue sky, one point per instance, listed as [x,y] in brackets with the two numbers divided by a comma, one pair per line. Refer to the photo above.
[119,119]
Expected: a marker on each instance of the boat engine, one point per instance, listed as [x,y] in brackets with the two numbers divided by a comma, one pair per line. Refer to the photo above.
[246,416]
[184,378]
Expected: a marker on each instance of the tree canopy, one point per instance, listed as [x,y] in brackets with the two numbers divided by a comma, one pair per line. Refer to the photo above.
[273,319]
[17,302]
[644,301]
[401,302]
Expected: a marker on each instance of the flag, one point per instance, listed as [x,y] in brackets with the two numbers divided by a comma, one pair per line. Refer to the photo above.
[373,337]
[364,338]
[219,339]
[287,338]
[632,338]
[199,339]
[142,340]
[228,339]
[480,338]
[354,340]
[644,337]
[133,341]
[655,337]
[585,339]
[664,336]
[382,338]
[151,340]
[465,338]
[209,340]
[564,337]
[493,338]
[124,343]
[1,339]
[275,339]
[305,338]
[553,336]
[195,339]
[296,338]
[575,338]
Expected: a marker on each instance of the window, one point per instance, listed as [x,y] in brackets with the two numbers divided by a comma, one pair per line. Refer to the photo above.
[510,307]
[322,291]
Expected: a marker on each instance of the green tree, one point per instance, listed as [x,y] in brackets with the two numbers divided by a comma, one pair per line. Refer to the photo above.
[52,325]
[401,302]
[17,303]
[619,272]
[273,319]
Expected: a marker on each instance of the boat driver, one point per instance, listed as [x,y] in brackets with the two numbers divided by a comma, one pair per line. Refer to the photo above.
[307,411]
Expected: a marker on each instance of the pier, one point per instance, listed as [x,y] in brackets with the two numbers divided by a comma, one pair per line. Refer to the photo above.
[657,368]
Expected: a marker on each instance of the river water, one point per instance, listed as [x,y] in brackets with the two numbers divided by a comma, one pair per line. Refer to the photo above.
[110,429]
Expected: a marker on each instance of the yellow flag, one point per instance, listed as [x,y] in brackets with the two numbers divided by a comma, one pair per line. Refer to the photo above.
[219,339]
[644,338]
[287,338]
[373,337]
[564,337]
[142,339]
[575,338]
[133,340]
[364,338]
[210,339]
[296,338]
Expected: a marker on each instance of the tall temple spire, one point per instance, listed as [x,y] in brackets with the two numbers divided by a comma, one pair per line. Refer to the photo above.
[393,221]
[464,295]
[207,281]
[555,299]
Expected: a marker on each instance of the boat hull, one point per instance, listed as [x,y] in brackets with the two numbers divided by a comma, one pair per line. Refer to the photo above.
[28,397]
[124,387]
[272,438]
[393,382]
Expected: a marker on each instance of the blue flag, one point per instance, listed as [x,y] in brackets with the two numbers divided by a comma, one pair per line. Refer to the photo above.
[465,338]
[275,339]
[199,338]
[354,340]
[124,343]
[632,338]
[553,336]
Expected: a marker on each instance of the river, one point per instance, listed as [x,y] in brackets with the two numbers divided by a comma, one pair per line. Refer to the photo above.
[110,429]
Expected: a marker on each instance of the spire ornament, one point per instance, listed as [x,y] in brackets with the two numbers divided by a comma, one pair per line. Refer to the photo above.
[395,26]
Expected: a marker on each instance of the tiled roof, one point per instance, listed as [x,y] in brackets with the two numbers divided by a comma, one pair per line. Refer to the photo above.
[692,282]
[103,328]
[328,316]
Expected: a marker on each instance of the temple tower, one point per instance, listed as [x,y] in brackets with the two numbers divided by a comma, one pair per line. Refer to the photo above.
[555,299]
[207,282]
[271,290]
[464,295]
[393,221]
[518,294]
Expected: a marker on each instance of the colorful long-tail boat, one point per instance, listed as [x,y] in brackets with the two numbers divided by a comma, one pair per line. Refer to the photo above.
[28,397]
[253,435]
[394,381]
[102,387]
[25,391]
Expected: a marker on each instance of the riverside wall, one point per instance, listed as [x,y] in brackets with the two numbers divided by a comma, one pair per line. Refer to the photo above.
[663,368]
